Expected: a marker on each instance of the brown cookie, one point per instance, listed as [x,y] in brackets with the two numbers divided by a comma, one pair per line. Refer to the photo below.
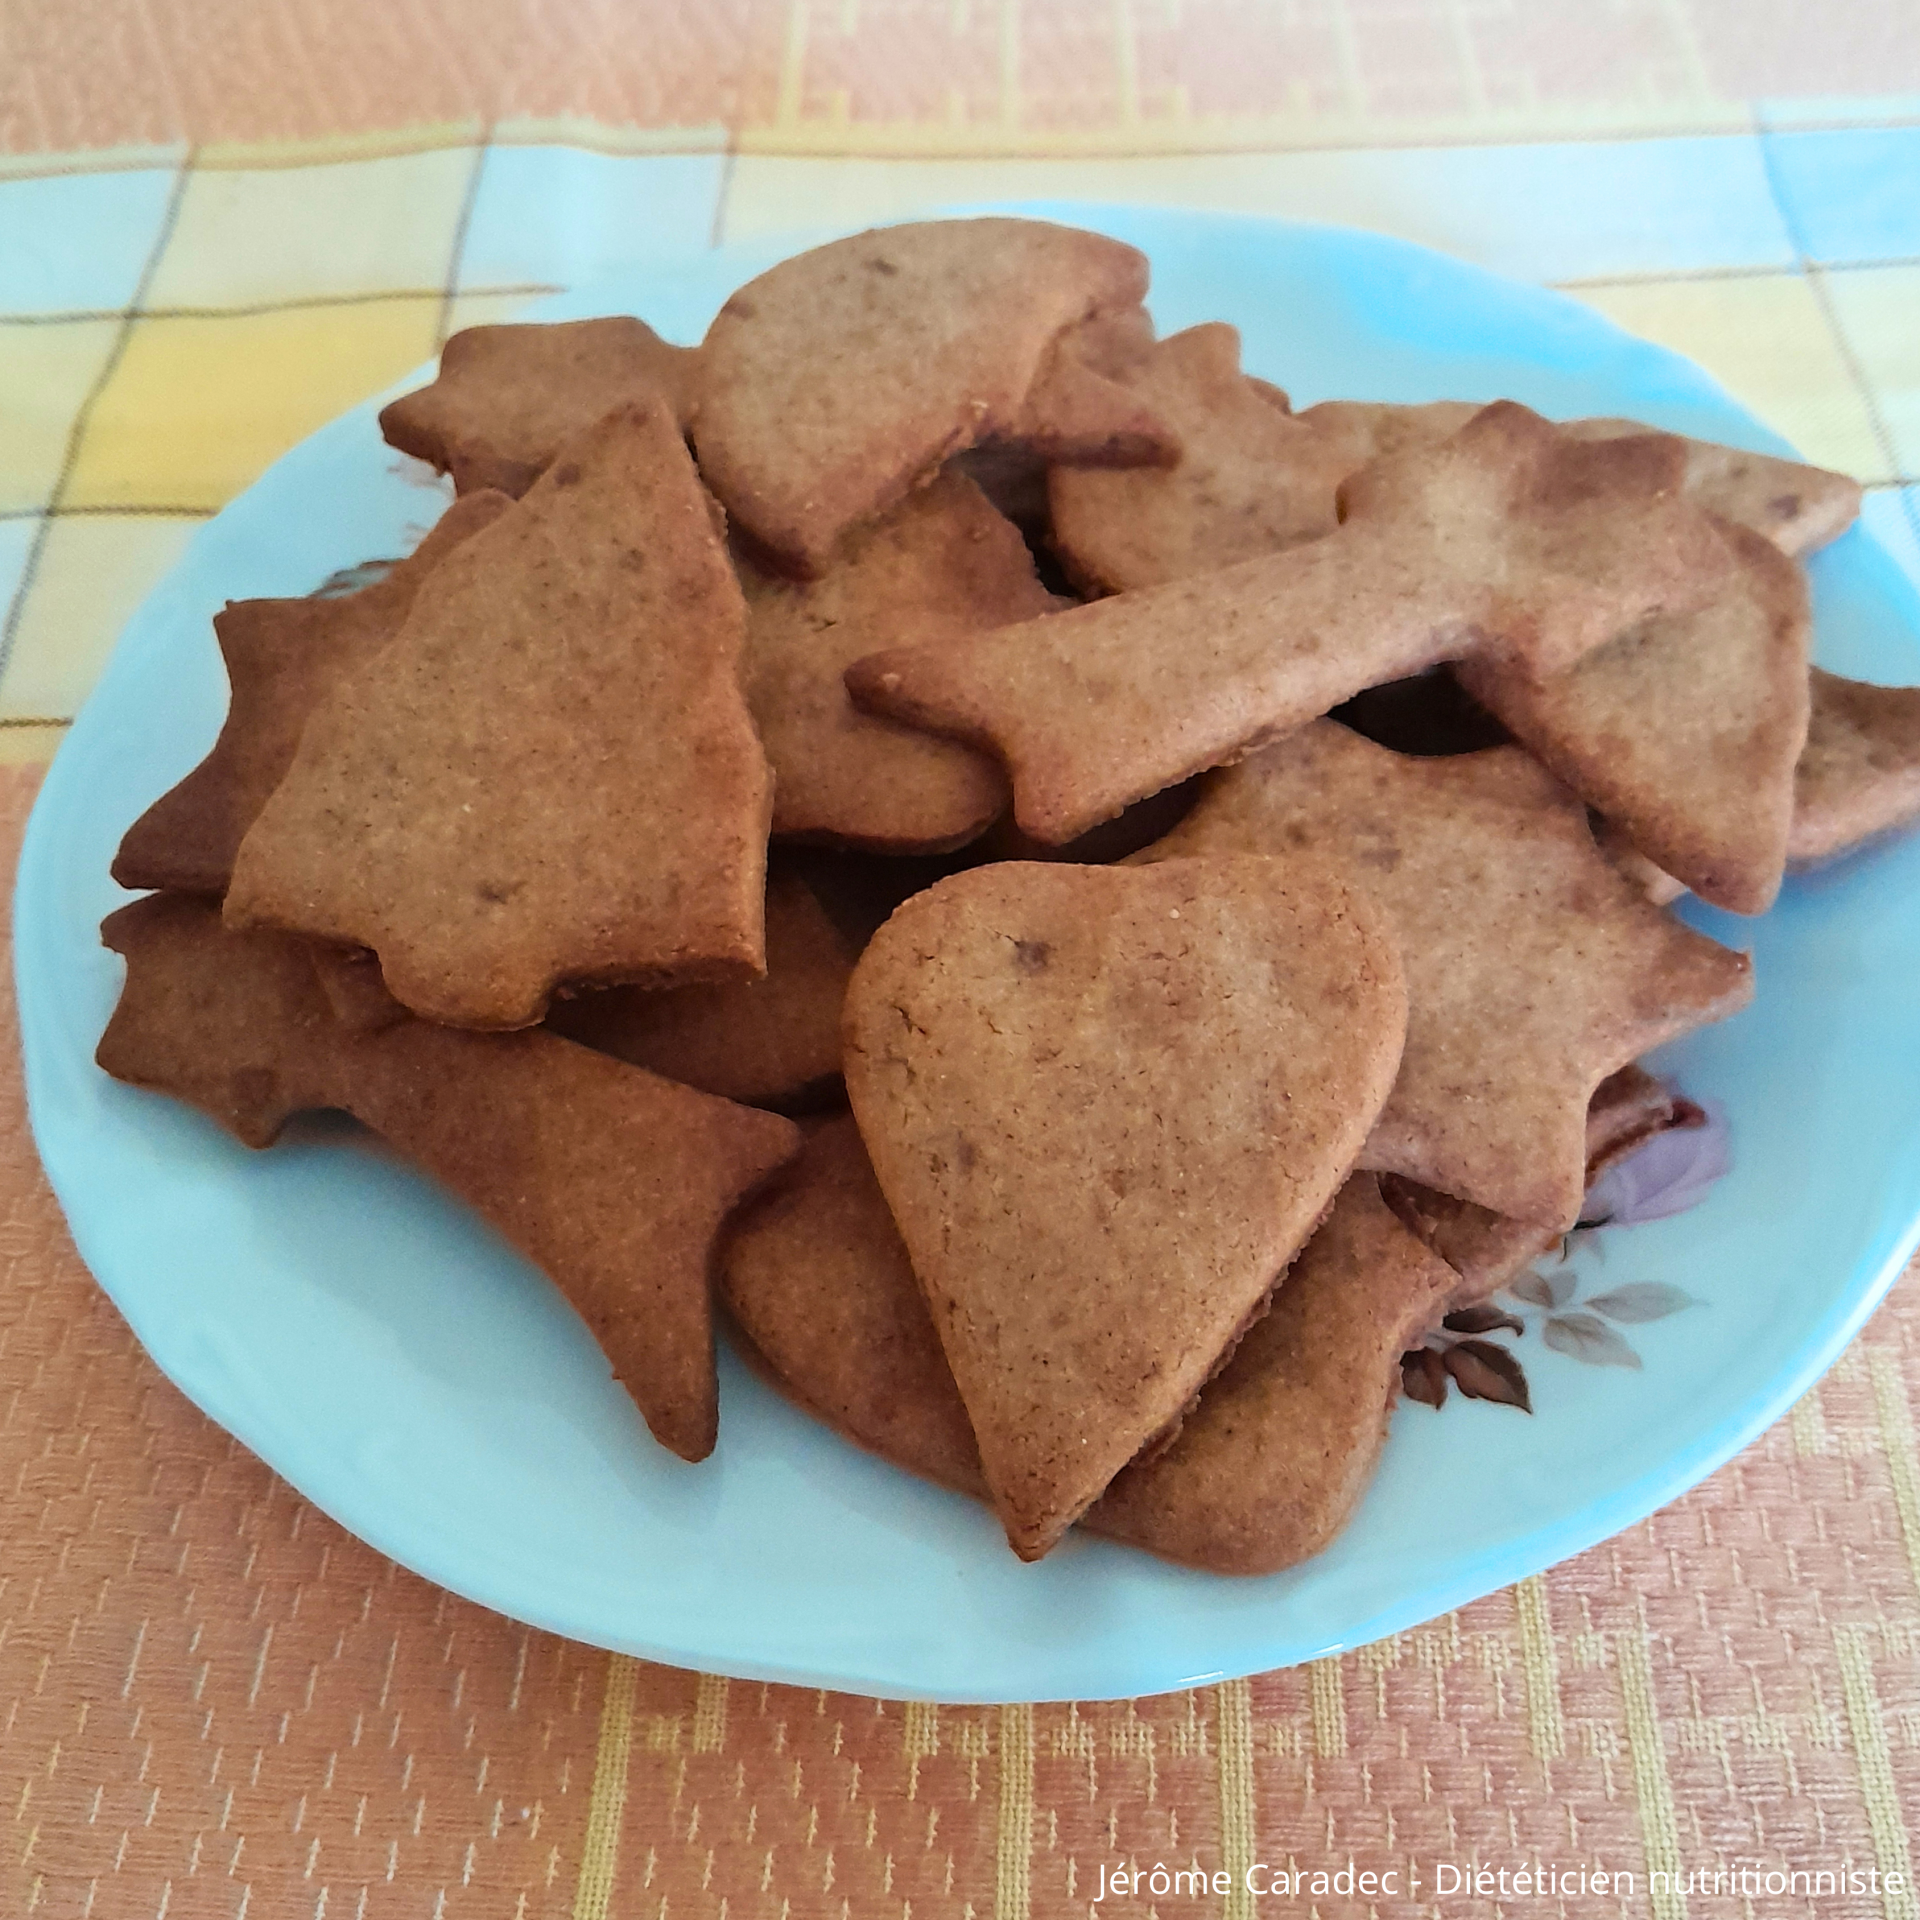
[1106,1106]
[611,1180]
[1352,434]
[1507,538]
[1112,840]
[1078,409]
[839,379]
[942,559]
[1860,773]
[817,1278]
[350,978]
[1271,1463]
[1534,969]
[1684,730]
[1487,1250]
[282,657]
[508,398]
[773,1042]
[1012,473]
[549,775]
[1251,479]
[232,1023]
[1795,506]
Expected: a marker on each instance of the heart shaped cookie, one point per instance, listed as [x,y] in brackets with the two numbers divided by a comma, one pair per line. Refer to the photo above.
[1107,1106]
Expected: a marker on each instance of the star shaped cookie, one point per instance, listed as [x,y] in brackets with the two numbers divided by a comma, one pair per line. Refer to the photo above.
[508,398]
[282,657]
[1250,478]
[1534,968]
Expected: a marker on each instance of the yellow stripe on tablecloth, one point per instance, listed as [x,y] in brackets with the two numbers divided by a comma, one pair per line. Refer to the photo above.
[793,66]
[29,742]
[1012,1896]
[1896,1436]
[710,1713]
[1659,1830]
[1541,1663]
[600,1850]
[1329,1696]
[1233,1713]
[1808,1422]
[919,1740]
[1877,1791]
[596,136]
[197,407]
[827,136]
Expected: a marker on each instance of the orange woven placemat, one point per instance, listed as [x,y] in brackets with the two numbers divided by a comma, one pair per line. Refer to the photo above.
[214,1702]
[963,76]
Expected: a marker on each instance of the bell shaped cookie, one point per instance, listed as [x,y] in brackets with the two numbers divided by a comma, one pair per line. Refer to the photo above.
[549,775]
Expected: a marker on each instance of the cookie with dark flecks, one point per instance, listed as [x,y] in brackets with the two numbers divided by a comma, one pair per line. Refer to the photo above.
[1684,731]
[1487,1250]
[1269,1461]
[1106,1107]
[1250,479]
[949,563]
[1272,1460]
[772,1042]
[1859,775]
[840,379]
[1796,506]
[815,1275]
[549,776]
[610,1179]
[508,398]
[282,656]
[232,1023]
[1534,968]
[1509,539]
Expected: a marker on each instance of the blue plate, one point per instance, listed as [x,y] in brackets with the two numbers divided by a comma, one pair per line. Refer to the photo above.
[423,1385]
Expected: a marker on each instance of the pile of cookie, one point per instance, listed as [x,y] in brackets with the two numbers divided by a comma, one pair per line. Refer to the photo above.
[1218,861]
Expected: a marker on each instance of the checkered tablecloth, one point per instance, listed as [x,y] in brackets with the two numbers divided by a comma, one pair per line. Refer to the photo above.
[222,223]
